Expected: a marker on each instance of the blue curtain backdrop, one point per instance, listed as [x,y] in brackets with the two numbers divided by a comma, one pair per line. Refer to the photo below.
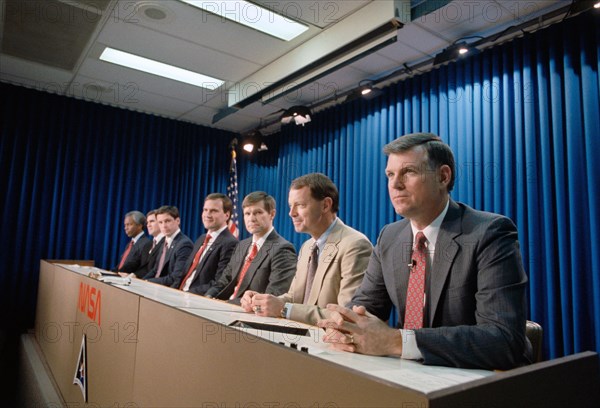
[522,118]
[524,122]
[71,170]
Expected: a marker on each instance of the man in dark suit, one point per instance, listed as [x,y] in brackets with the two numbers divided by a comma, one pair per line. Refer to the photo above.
[460,291]
[212,251]
[131,259]
[173,253]
[150,250]
[265,262]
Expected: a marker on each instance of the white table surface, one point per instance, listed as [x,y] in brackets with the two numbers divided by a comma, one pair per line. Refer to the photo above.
[406,373]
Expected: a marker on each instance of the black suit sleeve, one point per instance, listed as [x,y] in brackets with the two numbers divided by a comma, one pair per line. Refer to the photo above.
[226,253]
[373,293]
[283,269]
[142,270]
[150,273]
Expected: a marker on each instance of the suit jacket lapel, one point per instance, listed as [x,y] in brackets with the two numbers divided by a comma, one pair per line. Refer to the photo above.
[158,246]
[195,249]
[171,250]
[214,246]
[262,254]
[445,251]
[401,250]
[301,271]
[244,246]
[326,259]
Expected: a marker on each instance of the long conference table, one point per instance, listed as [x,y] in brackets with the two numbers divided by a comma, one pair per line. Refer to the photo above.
[147,345]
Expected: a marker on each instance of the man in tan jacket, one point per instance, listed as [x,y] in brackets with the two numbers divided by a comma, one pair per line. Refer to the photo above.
[331,263]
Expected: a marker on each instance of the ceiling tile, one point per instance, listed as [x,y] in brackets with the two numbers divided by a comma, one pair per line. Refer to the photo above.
[35,75]
[192,39]
[209,31]
[377,62]
[199,114]
[141,41]
[320,13]
[419,39]
[401,53]
[51,32]
[523,11]
[127,97]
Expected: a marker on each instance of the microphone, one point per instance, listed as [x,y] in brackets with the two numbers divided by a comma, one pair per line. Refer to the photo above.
[412,263]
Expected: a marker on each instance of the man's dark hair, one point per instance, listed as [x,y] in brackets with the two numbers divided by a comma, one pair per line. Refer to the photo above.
[227,203]
[258,196]
[320,187]
[168,209]
[438,152]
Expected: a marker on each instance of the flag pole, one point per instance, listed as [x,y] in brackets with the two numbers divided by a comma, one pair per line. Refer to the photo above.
[232,190]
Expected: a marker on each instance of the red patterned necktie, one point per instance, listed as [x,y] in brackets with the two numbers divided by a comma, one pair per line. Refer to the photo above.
[125,254]
[415,295]
[196,260]
[249,259]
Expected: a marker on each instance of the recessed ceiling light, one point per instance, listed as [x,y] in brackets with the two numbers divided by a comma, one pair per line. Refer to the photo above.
[159,68]
[155,13]
[253,16]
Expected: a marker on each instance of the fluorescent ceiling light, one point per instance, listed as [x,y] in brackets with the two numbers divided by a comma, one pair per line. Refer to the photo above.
[158,68]
[253,16]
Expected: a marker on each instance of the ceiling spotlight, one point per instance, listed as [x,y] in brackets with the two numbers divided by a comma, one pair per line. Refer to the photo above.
[453,52]
[299,114]
[365,90]
[254,141]
[579,6]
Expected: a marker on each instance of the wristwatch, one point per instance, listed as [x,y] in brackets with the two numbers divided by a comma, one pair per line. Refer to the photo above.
[285,309]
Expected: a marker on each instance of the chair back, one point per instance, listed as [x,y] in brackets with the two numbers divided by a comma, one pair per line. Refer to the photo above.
[534,333]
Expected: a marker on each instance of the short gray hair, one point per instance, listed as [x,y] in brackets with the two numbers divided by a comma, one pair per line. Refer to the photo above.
[137,217]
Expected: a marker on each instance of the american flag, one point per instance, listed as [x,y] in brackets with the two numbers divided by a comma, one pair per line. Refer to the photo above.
[232,193]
